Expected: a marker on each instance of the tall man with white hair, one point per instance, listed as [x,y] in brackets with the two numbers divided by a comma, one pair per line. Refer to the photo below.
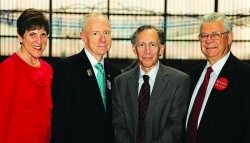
[82,88]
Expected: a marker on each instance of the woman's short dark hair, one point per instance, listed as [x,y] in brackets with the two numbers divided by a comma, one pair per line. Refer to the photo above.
[160,33]
[32,19]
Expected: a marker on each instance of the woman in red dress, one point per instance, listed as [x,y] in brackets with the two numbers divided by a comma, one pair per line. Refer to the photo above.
[25,84]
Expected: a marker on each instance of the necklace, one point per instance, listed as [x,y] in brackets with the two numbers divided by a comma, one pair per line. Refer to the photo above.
[34,63]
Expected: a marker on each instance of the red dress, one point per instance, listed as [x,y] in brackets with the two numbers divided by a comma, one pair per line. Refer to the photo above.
[25,101]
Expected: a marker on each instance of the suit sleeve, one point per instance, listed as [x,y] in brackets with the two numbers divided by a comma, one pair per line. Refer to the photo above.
[7,95]
[61,105]
[246,114]
[172,132]
[118,121]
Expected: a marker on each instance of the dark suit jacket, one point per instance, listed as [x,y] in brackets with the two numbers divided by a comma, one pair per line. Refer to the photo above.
[165,111]
[78,112]
[226,117]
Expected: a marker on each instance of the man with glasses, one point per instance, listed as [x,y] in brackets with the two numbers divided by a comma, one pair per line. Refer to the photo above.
[219,109]
[149,101]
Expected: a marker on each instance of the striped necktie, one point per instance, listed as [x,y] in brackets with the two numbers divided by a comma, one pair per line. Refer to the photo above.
[143,100]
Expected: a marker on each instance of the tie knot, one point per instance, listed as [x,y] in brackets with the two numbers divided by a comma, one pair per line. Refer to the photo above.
[145,78]
[209,70]
[99,67]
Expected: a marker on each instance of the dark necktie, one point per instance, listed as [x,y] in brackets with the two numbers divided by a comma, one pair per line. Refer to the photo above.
[195,112]
[143,101]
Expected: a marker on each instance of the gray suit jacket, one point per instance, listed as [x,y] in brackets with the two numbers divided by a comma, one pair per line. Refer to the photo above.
[165,111]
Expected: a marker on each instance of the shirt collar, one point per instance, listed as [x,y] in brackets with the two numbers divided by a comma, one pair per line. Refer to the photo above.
[219,64]
[91,58]
[152,73]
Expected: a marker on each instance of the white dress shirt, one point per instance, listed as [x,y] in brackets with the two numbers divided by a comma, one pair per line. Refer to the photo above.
[152,75]
[93,61]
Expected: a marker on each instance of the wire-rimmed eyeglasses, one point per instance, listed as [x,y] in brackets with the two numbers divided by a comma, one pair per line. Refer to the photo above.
[214,36]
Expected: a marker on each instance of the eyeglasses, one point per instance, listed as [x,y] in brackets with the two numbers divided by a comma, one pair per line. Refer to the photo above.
[214,36]
[151,45]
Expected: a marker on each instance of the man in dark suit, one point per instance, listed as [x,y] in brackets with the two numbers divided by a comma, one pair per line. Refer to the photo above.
[81,112]
[159,118]
[224,114]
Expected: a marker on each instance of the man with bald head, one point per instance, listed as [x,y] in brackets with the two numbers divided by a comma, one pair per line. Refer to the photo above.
[81,100]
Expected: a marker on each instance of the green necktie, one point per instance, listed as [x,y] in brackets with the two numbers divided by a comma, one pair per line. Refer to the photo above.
[101,82]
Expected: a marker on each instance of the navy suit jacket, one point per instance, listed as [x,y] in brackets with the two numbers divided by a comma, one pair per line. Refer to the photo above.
[78,112]
[226,117]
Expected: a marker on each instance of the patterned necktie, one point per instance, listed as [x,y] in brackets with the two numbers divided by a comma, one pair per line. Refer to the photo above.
[143,101]
[195,112]
[101,82]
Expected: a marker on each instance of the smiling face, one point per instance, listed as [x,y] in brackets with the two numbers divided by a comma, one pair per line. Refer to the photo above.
[96,36]
[33,43]
[148,49]
[212,49]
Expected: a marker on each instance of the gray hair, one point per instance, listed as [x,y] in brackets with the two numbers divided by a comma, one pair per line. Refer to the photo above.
[160,33]
[92,14]
[213,17]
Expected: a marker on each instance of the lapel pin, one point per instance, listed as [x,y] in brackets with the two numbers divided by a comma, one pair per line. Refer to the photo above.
[89,72]
[221,83]
[108,84]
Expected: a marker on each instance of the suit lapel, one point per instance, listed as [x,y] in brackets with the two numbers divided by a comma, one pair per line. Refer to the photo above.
[86,65]
[216,96]
[133,90]
[89,76]
[195,75]
[108,76]
[226,72]
[161,81]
